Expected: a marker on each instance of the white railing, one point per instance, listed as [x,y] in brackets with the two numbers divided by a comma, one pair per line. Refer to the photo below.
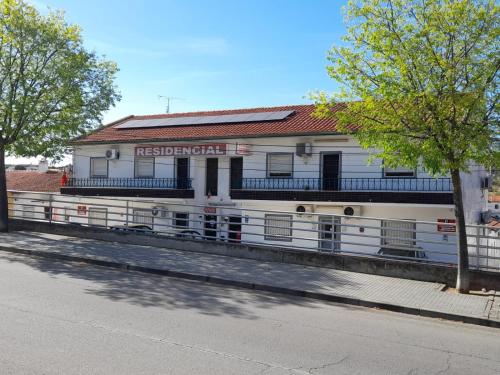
[415,240]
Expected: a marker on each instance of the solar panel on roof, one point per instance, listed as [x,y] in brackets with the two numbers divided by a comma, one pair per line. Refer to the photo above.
[205,120]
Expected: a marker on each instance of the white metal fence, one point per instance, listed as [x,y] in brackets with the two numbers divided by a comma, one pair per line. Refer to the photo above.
[423,241]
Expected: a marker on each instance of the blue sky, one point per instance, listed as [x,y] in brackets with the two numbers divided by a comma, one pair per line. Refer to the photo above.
[212,54]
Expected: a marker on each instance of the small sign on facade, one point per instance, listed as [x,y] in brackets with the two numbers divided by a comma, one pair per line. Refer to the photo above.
[81,210]
[182,150]
[210,210]
[243,149]
[448,225]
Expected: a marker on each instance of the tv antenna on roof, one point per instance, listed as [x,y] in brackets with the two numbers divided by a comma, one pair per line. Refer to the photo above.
[168,99]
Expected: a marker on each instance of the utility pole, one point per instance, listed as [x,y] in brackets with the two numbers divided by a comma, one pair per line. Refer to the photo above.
[168,99]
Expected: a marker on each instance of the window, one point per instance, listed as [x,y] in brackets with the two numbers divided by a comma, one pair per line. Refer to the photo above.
[181,219]
[98,216]
[47,211]
[67,213]
[400,233]
[28,212]
[278,227]
[144,167]
[143,216]
[280,165]
[399,172]
[98,167]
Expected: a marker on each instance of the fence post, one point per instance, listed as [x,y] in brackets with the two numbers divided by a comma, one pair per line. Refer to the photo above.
[126,214]
[477,247]
[50,209]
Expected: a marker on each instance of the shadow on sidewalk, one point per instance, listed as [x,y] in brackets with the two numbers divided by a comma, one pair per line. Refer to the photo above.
[156,291]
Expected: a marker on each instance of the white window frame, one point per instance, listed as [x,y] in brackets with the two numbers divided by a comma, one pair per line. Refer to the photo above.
[279,172]
[405,230]
[273,231]
[175,219]
[98,209]
[142,159]
[28,212]
[92,173]
[143,216]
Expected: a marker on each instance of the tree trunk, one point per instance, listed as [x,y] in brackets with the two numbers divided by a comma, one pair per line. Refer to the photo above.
[4,204]
[463,253]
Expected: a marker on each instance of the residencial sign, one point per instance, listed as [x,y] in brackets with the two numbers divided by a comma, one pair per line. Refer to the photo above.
[182,150]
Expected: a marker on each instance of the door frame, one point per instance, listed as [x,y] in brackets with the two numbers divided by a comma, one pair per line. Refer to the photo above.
[335,221]
[323,153]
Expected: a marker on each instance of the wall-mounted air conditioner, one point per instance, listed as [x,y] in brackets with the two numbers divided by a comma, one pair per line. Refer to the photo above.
[159,211]
[112,154]
[304,209]
[303,149]
[352,210]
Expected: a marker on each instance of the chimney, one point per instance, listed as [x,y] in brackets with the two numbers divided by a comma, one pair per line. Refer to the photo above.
[43,166]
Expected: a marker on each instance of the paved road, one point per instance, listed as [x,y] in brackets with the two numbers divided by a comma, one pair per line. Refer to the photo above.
[63,318]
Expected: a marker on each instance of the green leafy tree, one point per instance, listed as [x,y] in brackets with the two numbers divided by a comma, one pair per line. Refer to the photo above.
[51,88]
[419,79]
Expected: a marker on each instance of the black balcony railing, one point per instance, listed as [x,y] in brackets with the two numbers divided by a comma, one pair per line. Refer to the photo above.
[348,184]
[135,183]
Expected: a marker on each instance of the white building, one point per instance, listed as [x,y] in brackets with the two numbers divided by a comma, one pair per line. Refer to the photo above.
[207,171]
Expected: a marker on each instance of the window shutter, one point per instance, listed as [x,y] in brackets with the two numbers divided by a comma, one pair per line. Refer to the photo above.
[280,165]
[99,167]
[144,167]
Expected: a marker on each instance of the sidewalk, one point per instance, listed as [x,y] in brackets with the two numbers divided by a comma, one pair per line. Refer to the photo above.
[407,296]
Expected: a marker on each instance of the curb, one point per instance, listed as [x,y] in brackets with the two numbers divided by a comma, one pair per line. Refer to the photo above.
[258,287]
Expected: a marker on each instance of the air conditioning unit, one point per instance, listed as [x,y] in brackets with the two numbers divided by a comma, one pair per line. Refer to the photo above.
[304,209]
[352,210]
[160,211]
[303,149]
[487,183]
[112,154]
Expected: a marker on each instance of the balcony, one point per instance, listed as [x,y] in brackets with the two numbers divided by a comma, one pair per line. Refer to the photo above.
[130,187]
[349,184]
[377,190]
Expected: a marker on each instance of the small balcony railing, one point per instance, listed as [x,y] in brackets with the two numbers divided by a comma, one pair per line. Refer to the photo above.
[349,184]
[133,183]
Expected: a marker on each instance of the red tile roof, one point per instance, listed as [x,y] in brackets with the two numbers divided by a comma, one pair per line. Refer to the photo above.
[494,224]
[34,181]
[494,198]
[299,123]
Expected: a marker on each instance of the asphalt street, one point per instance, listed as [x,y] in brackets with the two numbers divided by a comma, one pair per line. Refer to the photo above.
[66,318]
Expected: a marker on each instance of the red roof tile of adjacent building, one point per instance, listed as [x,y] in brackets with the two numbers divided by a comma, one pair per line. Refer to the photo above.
[34,181]
[494,198]
[299,123]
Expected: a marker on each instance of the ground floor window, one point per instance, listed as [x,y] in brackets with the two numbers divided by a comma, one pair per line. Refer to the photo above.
[181,220]
[28,212]
[143,216]
[398,233]
[47,211]
[278,227]
[98,216]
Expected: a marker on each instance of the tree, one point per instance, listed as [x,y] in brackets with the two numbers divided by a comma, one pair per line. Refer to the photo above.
[419,79]
[51,88]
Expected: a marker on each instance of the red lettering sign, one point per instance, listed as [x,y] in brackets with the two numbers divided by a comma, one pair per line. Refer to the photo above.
[211,149]
[81,210]
[210,210]
[447,226]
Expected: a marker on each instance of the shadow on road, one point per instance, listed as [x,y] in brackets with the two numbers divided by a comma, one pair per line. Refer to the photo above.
[169,293]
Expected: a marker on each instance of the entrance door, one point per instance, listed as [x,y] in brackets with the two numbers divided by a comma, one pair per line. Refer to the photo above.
[212,176]
[236,173]
[331,171]
[329,233]
[234,227]
[182,173]
[210,232]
